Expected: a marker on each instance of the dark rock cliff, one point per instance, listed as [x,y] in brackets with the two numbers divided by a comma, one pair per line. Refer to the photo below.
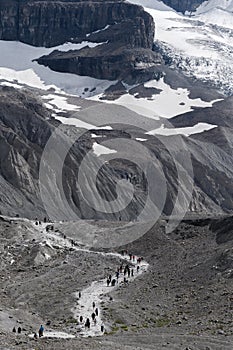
[104,62]
[183,5]
[128,34]
[49,23]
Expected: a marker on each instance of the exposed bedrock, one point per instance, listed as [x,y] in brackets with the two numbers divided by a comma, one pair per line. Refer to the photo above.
[49,23]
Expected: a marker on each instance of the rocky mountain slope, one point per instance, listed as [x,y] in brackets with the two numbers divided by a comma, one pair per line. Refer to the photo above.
[146,117]
[27,126]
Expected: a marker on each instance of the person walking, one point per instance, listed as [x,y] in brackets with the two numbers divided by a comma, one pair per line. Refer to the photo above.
[87,323]
[128,272]
[41,331]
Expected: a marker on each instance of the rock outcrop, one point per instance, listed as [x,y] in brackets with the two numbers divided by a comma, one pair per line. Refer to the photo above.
[49,23]
[108,61]
[183,5]
[126,29]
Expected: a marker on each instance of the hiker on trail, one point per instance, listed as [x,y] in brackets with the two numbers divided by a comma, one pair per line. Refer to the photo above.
[133,257]
[123,252]
[41,331]
[87,323]
[81,319]
[132,274]
[128,272]
[113,282]
[102,328]
[93,304]
[138,269]
[93,316]
[79,295]
[108,282]
[14,330]
[96,311]
[19,330]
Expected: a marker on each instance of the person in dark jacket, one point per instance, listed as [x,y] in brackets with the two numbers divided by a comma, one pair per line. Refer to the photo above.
[41,331]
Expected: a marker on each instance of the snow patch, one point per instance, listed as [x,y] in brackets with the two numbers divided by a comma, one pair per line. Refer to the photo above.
[186,131]
[167,104]
[80,124]
[140,139]
[99,149]
[60,102]
[17,66]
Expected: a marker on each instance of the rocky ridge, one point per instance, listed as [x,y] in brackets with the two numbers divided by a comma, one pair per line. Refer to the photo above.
[27,126]
[126,30]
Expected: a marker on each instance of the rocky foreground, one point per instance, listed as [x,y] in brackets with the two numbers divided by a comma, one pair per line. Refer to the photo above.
[183,301]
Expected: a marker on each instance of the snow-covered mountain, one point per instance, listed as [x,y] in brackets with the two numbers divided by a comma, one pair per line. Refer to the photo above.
[200,44]
[210,5]
[216,12]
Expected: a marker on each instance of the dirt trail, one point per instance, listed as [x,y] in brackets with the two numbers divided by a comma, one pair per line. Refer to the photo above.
[95,292]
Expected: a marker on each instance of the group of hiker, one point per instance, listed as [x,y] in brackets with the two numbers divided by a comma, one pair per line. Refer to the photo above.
[38,222]
[35,336]
[93,316]
[127,270]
